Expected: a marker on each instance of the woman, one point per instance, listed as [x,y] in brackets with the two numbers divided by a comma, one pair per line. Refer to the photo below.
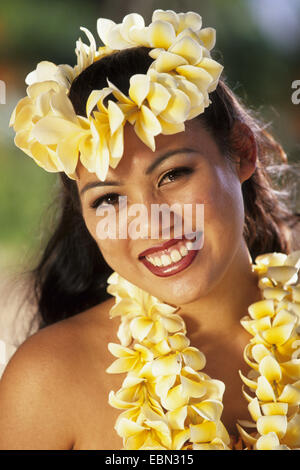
[174,298]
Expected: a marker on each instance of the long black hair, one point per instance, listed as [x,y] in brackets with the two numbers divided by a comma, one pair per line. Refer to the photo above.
[71,274]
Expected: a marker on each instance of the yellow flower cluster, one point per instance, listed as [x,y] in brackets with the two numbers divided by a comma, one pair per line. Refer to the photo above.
[168,402]
[273,355]
[174,89]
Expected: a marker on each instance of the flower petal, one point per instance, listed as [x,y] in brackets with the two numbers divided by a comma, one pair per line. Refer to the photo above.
[264,391]
[168,128]
[145,137]
[190,20]
[259,351]
[167,61]
[279,334]
[161,34]
[193,388]
[178,341]
[200,77]
[139,88]
[120,351]
[270,369]
[188,48]
[194,358]
[149,121]
[121,365]
[163,384]
[291,394]
[62,106]
[140,327]
[261,309]
[68,153]
[175,398]
[116,147]
[130,20]
[169,365]
[178,107]
[208,37]
[273,423]
[276,293]
[209,410]
[126,428]
[104,26]
[267,442]
[204,432]
[115,116]
[158,97]
[51,130]
[166,15]
[254,409]
[176,418]
[281,274]
[291,368]
[180,437]
[275,408]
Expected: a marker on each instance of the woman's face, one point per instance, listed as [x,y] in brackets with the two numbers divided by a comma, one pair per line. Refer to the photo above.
[187,168]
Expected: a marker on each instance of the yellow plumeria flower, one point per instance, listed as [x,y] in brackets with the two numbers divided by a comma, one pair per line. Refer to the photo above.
[109,123]
[142,315]
[128,359]
[45,124]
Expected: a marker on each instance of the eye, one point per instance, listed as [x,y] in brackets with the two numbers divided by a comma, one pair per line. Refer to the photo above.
[174,174]
[106,200]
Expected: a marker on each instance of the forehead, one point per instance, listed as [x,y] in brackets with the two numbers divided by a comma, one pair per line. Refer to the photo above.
[138,155]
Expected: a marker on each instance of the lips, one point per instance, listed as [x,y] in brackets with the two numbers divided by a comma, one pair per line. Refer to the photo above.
[158,248]
[163,261]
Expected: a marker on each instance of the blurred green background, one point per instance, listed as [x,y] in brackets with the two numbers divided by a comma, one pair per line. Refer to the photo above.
[258,41]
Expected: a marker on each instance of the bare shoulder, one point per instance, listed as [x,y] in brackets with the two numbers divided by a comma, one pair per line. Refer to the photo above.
[45,379]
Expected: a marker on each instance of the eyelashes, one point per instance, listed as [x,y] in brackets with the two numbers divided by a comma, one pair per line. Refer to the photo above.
[175,173]
[110,199]
[169,177]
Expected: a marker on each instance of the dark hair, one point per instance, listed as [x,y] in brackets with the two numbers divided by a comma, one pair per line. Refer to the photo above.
[71,274]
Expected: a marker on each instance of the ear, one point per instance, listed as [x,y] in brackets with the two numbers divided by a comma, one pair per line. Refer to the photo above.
[244,150]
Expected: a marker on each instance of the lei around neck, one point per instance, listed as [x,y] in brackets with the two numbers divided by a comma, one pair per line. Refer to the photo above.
[167,400]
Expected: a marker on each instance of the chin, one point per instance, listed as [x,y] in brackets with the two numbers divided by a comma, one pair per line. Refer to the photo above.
[185,294]
[183,288]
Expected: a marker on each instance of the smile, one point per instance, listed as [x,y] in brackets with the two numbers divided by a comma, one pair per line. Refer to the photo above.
[170,258]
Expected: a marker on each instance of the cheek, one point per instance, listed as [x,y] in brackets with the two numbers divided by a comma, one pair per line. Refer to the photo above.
[110,246]
[113,251]
[219,191]
[224,213]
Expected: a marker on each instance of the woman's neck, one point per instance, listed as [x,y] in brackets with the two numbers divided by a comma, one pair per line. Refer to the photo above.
[220,311]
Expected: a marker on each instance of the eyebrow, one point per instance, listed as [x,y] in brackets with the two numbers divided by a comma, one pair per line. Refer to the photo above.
[149,170]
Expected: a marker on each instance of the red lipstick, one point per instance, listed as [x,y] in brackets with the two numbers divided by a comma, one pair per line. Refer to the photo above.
[174,267]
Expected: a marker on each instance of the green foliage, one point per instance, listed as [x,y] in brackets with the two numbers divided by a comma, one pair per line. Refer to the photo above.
[25,194]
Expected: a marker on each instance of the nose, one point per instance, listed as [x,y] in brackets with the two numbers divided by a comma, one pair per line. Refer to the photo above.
[153,218]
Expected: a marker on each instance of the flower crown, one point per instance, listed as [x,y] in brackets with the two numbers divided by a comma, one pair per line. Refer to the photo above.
[175,88]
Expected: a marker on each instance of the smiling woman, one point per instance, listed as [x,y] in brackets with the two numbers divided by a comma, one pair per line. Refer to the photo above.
[129,141]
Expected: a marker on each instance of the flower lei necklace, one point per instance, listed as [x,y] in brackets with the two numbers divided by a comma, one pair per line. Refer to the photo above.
[170,403]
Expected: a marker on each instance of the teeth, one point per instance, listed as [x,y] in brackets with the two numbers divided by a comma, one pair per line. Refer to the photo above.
[189,245]
[183,250]
[157,261]
[166,260]
[175,255]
